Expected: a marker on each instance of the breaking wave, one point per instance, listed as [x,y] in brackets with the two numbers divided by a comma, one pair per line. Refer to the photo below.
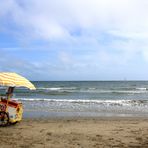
[88,101]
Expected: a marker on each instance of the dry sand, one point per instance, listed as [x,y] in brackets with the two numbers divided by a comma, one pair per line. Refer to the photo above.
[76,133]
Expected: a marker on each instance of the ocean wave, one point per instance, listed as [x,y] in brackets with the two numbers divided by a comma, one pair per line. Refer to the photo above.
[88,101]
[141,88]
[116,91]
[135,90]
[51,88]
[93,90]
[56,88]
[130,91]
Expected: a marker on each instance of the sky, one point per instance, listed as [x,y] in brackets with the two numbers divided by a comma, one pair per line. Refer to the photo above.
[75,39]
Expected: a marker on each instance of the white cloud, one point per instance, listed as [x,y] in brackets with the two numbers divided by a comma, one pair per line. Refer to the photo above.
[91,32]
[57,18]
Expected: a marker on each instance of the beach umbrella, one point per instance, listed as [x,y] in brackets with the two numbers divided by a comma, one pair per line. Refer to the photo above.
[14,80]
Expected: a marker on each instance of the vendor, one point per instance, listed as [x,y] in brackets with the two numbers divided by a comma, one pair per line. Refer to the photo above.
[9,92]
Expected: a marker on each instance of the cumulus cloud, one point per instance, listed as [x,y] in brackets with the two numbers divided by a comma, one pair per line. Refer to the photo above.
[84,33]
[58,18]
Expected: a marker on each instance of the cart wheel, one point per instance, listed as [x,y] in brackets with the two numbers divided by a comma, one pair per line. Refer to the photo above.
[4,118]
[13,123]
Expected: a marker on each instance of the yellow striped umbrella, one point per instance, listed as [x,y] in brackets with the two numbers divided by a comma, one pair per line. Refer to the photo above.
[15,80]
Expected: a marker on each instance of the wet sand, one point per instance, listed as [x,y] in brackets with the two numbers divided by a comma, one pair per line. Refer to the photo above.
[76,133]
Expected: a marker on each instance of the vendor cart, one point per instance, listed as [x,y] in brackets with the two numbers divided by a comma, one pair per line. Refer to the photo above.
[11,110]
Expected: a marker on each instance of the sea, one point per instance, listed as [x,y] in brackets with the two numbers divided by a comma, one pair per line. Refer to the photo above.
[84,99]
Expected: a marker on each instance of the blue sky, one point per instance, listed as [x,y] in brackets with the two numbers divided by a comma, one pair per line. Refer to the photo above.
[75,40]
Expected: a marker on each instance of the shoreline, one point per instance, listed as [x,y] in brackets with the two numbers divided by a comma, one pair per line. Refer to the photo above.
[54,114]
[76,132]
[87,118]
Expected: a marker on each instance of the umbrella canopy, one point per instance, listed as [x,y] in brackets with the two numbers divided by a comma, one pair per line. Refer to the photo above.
[15,80]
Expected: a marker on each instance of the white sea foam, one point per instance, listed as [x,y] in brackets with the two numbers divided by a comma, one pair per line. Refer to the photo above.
[141,88]
[88,101]
[51,88]
[93,90]
[56,88]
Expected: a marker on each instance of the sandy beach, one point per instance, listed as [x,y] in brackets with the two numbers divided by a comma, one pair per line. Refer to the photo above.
[76,133]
